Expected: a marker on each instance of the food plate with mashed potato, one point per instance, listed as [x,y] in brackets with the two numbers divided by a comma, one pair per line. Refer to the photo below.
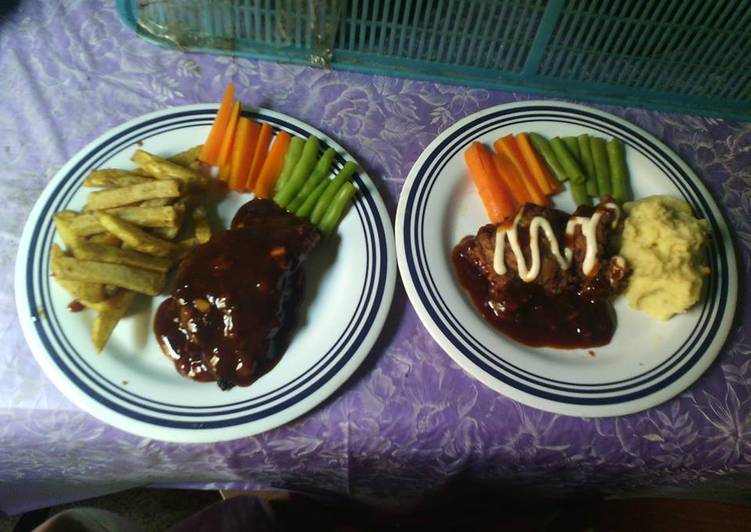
[648,360]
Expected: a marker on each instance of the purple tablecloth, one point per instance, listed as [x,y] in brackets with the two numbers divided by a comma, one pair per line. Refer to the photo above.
[411,420]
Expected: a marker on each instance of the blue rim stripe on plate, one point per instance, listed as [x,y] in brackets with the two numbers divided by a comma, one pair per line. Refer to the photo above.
[507,123]
[255,402]
[427,186]
[378,267]
[410,250]
[439,151]
[71,189]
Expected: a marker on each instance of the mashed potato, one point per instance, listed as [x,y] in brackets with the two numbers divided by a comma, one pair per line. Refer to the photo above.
[664,244]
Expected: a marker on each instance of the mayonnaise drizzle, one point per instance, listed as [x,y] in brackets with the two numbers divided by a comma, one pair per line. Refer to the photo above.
[529,274]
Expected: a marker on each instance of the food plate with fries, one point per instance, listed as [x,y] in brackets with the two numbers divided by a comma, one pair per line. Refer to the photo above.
[97,258]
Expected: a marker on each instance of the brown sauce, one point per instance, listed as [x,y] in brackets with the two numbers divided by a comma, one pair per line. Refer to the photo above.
[527,314]
[75,306]
[235,298]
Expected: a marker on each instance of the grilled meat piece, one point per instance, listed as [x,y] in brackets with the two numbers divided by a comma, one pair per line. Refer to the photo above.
[559,299]
[608,276]
[236,296]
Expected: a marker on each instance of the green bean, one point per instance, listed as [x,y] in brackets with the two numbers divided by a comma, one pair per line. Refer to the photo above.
[320,171]
[573,146]
[304,210]
[294,151]
[588,165]
[542,146]
[618,170]
[324,201]
[336,209]
[302,171]
[568,162]
[579,193]
[602,169]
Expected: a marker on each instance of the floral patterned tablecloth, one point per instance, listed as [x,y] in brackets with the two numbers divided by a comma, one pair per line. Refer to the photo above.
[410,420]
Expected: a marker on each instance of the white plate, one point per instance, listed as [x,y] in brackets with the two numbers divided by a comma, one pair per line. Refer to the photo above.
[647,362]
[131,384]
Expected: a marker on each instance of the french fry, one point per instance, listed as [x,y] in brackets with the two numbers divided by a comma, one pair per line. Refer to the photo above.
[106,320]
[163,169]
[186,158]
[118,197]
[185,246]
[135,237]
[165,233]
[115,255]
[168,216]
[64,229]
[87,224]
[104,239]
[80,290]
[112,178]
[113,251]
[182,205]
[139,280]
[201,226]
[157,202]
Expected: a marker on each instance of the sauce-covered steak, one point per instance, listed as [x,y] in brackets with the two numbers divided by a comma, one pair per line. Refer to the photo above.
[545,278]
[236,297]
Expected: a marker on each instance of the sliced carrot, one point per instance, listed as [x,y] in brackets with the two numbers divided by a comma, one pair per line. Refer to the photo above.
[507,146]
[237,179]
[272,166]
[223,159]
[261,151]
[241,156]
[536,166]
[508,173]
[498,204]
[210,151]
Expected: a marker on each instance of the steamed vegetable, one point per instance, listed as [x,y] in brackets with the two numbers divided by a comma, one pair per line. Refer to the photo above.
[302,171]
[320,171]
[568,161]
[244,149]
[602,168]
[511,179]
[272,166]
[507,145]
[344,175]
[259,155]
[242,154]
[537,168]
[210,150]
[542,146]
[498,202]
[585,158]
[290,160]
[618,170]
[306,209]
[225,151]
[336,209]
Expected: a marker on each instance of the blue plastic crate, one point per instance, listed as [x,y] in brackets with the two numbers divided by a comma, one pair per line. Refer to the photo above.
[691,56]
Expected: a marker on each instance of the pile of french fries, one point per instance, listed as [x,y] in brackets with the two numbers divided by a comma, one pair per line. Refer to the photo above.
[130,234]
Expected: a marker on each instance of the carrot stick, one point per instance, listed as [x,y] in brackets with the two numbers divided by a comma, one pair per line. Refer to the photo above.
[247,148]
[241,157]
[498,204]
[261,151]
[536,167]
[225,150]
[508,173]
[507,146]
[272,166]
[210,151]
